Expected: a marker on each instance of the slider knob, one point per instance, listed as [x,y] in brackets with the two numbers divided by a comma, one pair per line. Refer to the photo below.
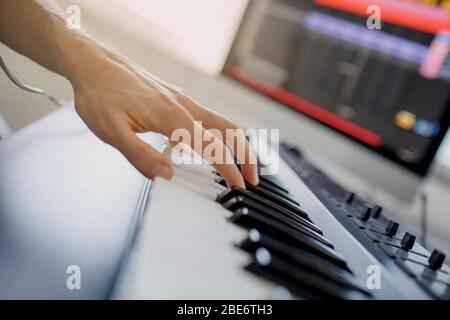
[436,259]
[376,211]
[350,197]
[366,212]
[392,228]
[408,241]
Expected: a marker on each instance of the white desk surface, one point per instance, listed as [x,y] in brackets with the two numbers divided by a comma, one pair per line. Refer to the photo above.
[66,198]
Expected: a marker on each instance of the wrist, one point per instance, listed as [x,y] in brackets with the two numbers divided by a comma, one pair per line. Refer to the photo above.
[80,58]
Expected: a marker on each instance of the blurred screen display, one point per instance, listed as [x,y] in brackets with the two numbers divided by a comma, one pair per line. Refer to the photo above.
[376,71]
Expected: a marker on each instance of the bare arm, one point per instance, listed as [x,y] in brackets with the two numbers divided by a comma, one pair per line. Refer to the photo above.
[115,97]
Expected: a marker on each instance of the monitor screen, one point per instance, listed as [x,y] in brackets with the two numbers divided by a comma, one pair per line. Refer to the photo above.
[375,71]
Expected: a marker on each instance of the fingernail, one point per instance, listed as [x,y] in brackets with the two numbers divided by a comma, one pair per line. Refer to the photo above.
[163,171]
[255,181]
[242,184]
[250,178]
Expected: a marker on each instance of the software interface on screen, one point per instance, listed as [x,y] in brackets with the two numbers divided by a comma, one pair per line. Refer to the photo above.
[376,71]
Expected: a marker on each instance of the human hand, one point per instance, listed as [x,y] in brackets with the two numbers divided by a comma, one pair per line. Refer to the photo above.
[118,99]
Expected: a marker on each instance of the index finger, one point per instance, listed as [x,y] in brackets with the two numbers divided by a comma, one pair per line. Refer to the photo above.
[222,160]
[237,141]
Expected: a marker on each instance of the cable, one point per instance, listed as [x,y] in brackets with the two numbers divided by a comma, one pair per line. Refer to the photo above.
[26,87]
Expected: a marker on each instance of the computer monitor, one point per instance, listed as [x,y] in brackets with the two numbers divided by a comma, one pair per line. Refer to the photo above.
[384,84]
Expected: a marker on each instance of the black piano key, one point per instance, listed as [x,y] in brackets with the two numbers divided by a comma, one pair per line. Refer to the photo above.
[237,202]
[265,186]
[266,180]
[304,259]
[298,242]
[241,204]
[299,280]
[282,200]
[249,218]
[272,180]
[258,237]
[303,242]
[287,207]
[282,192]
[296,289]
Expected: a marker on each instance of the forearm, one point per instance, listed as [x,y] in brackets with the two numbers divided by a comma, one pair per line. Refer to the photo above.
[115,97]
[38,30]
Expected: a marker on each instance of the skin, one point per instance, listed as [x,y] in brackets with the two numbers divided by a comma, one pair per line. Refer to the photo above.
[115,97]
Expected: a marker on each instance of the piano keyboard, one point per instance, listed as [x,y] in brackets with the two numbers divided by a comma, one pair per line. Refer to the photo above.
[201,240]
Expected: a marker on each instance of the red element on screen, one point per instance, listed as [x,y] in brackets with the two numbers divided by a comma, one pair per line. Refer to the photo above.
[431,19]
[306,107]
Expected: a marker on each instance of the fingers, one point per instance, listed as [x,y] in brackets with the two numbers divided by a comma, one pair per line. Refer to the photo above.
[212,150]
[152,163]
[142,156]
[236,140]
[233,135]
[221,158]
